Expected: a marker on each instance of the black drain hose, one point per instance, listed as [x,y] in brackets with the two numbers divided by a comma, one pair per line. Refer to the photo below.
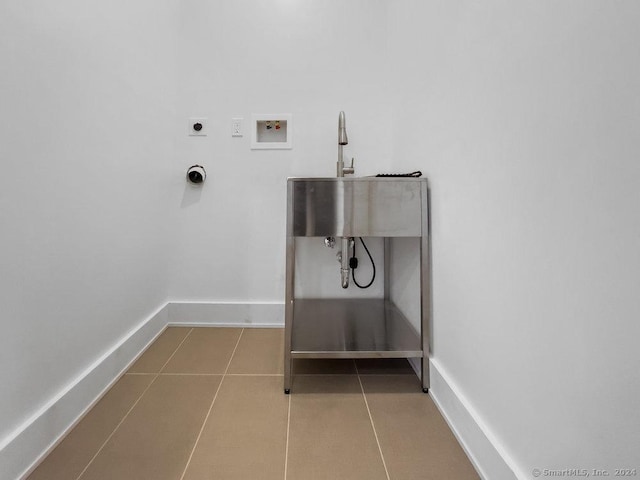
[353,263]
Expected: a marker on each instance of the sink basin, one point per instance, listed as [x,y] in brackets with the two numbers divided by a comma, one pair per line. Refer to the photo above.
[356,206]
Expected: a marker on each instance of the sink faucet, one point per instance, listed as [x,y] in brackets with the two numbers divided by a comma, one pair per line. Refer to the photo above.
[342,141]
[342,171]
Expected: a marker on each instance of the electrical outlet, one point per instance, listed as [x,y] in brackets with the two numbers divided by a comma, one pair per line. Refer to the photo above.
[197,126]
[236,127]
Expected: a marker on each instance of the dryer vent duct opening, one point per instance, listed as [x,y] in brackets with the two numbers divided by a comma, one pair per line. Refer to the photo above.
[196,174]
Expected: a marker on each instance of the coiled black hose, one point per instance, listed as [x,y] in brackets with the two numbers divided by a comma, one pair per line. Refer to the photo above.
[373,265]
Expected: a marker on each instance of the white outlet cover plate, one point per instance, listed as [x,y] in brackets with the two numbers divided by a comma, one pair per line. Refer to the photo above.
[192,121]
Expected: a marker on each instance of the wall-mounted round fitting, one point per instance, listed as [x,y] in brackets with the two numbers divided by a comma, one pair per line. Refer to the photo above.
[196,174]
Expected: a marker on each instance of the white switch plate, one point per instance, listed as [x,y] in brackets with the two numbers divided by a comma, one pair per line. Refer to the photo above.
[191,126]
[236,127]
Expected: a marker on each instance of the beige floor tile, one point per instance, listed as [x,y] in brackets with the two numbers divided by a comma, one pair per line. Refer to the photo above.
[261,351]
[330,433]
[206,350]
[159,352]
[156,439]
[384,366]
[415,440]
[245,435]
[74,453]
[314,366]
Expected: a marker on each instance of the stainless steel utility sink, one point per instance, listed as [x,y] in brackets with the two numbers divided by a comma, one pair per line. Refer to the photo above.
[357,207]
[351,327]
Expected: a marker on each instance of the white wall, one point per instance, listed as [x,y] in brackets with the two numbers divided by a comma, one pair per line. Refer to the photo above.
[94,98]
[526,118]
[308,58]
[87,94]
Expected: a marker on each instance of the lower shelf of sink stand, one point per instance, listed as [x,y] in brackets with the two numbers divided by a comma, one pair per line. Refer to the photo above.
[352,328]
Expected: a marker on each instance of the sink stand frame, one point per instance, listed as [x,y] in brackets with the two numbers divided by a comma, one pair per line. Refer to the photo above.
[356,328]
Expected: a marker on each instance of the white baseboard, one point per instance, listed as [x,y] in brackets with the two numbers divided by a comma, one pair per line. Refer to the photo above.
[483,449]
[30,443]
[197,314]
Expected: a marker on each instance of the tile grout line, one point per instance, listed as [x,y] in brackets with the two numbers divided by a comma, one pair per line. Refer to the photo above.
[195,445]
[286,448]
[175,351]
[375,434]
[126,415]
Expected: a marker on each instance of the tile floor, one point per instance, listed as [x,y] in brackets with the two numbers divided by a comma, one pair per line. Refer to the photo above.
[208,403]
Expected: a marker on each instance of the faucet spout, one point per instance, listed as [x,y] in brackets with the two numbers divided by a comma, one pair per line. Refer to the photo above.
[342,141]
[342,130]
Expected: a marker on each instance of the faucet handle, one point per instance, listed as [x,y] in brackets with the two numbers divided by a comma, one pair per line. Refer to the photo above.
[348,170]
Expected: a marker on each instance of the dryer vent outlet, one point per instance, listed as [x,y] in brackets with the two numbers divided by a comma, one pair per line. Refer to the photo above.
[196,174]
